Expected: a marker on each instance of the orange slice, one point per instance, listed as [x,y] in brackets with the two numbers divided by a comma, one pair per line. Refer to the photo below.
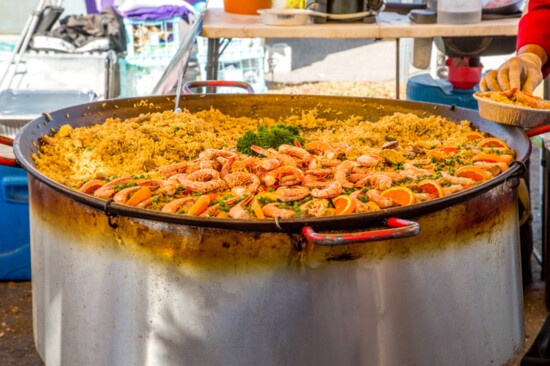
[141,195]
[473,172]
[402,196]
[494,158]
[449,149]
[474,135]
[200,205]
[492,142]
[431,187]
[343,204]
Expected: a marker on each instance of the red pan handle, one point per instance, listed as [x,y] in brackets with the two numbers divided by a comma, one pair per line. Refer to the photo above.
[7,161]
[397,228]
[538,130]
[216,83]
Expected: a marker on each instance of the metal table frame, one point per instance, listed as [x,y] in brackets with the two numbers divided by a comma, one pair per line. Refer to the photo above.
[220,27]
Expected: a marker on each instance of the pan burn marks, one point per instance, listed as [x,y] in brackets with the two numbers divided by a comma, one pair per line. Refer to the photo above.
[467,223]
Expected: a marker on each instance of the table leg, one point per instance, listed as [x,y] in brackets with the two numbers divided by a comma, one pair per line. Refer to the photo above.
[397,66]
[212,55]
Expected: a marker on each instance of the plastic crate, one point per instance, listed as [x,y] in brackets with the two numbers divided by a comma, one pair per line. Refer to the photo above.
[147,40]
[241,60]
[140,79]
[15,263]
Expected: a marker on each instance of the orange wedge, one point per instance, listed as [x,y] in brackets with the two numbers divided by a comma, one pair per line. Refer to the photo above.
[372,206]
[431,187]
[343,204]
[200,205]
[474,135]
[494,158]
[91,186]
[402,196]
[141,195]
[473,172]
[492,142]
[448,149]
[255,205]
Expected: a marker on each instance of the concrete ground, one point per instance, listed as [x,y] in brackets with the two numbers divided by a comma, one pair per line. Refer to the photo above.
[342,64]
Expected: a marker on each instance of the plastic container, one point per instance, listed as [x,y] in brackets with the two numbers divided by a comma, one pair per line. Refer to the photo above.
[462,76]
[15,263]
[424,88]
[459,11]
[248,7]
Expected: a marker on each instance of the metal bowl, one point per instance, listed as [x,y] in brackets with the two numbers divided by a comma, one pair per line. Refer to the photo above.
[511,114]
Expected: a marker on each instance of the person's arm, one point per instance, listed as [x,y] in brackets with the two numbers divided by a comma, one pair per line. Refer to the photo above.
[526,70]
[534,32]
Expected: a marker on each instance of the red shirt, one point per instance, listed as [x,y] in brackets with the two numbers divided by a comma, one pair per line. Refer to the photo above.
[534,28]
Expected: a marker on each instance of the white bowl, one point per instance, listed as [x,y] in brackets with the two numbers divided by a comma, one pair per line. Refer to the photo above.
[286,17]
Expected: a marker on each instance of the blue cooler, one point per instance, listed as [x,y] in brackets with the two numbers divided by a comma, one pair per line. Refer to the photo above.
[17,107]
[424,88]
[15,252]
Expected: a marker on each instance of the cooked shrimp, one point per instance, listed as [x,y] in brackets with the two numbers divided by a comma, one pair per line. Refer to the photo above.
[315,207]
[295,176]
[284,160]
[452,189]
[168,187]
[124,194]
[146,203]
[493,168]
[320,163]
[175,205]
[311,181]
[342,171]
[211,154]
[203,181]
[242,183]
[301,154]
[419,197]
[110,188]
[321,148]
[273,210]
[446,177]
[170,170]
[331,191]
[377,181]
[375,196]
[203,175]
[413,172]
[239,211]
[530,100]
[369,160]
[203,187]
[341,148]
[226,167]
[295,193]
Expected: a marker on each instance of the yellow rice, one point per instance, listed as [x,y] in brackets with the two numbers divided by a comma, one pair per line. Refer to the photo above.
[144,143]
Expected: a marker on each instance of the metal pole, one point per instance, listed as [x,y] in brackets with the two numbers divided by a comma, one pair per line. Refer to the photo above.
[212,56]
[23,43]
[397,73]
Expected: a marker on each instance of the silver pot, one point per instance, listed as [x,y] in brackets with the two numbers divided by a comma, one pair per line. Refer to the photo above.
[153,293]
[114,285]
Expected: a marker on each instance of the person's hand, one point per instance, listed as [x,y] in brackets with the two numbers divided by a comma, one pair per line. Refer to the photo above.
[522,72]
